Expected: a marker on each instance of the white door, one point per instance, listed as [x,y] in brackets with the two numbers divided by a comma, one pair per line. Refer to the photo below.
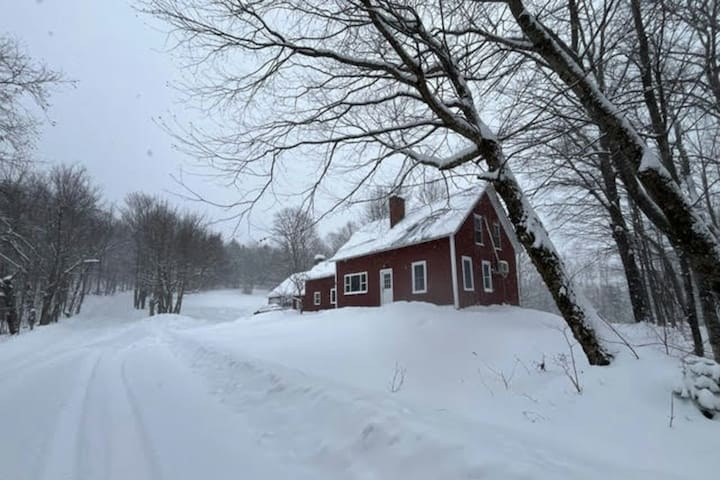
[386,286]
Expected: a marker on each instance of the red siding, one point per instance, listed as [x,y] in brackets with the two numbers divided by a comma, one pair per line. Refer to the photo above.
[439,287]
[322,285]
[505,289]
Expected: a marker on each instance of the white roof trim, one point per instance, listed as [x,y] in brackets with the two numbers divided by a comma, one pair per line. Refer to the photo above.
[504,220]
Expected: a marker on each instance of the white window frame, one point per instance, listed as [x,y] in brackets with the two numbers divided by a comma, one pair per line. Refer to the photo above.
[317,298]
[496,228]
[347,282]
[333,296]
[425,279]
[487,279]
[467,263]
[477,216]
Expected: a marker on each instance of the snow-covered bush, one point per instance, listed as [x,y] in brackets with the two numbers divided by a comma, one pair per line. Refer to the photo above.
[701,384]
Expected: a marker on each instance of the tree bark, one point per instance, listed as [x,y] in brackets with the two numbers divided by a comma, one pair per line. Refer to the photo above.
[11,316]
[691,308]
[708,301]
[551,268]
[46,307]
[621,235]
[667,207]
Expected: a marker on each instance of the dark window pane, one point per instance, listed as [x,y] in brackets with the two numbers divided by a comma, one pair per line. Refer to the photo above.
[479,229]
[496,236]
[419,270]
[467,275]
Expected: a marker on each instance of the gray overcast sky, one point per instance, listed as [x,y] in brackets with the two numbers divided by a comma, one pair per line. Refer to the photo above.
[107,122]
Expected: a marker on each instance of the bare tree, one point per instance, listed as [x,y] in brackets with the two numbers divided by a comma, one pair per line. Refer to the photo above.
[173,252]
[49,238]
[432,191]
[376,206]
[338,238]
[378,79]
[295,233]
[650,177]
[72,206]
[574,155]
[21,80]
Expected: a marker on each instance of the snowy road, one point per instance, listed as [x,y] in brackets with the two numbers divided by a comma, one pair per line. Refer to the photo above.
[110,395]
[113,402]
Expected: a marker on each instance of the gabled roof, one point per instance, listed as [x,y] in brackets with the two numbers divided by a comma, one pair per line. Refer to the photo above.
[428,222]
[294,285]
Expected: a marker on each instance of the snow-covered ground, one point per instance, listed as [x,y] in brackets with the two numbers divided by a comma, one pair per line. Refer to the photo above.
[221,394]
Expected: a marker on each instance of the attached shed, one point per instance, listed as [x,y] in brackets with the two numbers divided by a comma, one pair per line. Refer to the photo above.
[320,291]
[289,293]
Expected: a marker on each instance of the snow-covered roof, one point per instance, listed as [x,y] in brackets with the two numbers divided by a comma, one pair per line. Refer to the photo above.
[292,286]
[321,270]
[428,222]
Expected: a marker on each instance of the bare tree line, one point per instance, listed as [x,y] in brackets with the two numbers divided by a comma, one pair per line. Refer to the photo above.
[59,241]
[52,233]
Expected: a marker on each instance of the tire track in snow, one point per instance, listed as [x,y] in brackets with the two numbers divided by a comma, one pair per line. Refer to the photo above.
[66,348]
[95,422]
[59,458]
[31,411]
[86,449]
[148,450]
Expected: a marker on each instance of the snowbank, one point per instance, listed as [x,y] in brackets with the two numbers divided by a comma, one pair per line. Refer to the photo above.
[493,368]
[408,390]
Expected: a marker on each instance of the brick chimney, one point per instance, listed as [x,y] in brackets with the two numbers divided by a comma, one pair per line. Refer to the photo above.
[396,206]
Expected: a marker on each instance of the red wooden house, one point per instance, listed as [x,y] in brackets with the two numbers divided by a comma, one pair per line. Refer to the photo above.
[460,251]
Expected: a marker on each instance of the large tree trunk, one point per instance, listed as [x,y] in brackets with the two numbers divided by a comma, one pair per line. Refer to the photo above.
[533,236]
[691,307]
[46,306]
[708,301]
[636,287]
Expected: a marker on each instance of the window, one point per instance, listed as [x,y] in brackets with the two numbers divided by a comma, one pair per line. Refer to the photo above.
[496,238]
[468,280]
[387,280]
[487,276]
[333,296]
[316,298]
[419,277]
[478,223]
[356,283]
